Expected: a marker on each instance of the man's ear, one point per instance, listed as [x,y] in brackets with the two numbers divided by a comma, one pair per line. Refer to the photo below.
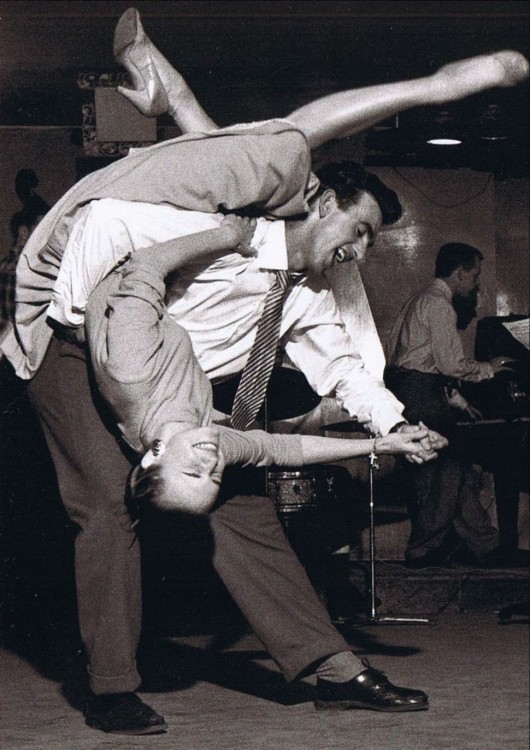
[327,202]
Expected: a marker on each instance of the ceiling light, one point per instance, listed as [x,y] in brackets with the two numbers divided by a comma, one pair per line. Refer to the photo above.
[444,130]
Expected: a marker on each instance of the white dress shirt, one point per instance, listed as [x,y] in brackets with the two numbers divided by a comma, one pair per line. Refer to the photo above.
[425,338]
[220,304]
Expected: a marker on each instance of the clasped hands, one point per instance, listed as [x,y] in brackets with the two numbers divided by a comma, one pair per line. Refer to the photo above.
[430,443]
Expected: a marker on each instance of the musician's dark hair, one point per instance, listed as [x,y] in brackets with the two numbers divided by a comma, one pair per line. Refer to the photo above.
[347,179]
[455,255]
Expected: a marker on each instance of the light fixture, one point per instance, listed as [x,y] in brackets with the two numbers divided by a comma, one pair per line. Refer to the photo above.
[443,130]
[492,124]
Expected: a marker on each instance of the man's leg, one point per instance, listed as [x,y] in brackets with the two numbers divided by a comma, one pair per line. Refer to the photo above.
[472,522]
[437,486]
[92,476]
[267,582]
[437,483]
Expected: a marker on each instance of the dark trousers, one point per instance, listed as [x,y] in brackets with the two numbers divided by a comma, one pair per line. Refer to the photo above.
[250,551]
[446,500]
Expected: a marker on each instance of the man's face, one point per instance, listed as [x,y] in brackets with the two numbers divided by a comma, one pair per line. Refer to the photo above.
[336,235]
[193,467]
[468,280]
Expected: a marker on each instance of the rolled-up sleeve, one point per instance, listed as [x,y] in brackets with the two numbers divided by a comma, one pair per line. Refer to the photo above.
[447,350]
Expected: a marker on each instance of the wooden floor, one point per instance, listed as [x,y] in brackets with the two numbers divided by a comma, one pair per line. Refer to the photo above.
[228,696]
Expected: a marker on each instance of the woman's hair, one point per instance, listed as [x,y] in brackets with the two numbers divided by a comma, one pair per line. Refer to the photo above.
[152,486]
[147,485]
[347,179]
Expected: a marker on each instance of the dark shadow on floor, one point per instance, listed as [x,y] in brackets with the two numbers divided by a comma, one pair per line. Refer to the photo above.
[167,666]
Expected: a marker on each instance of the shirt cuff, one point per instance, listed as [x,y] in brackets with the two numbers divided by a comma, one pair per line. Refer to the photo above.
[396,427]
[384,420]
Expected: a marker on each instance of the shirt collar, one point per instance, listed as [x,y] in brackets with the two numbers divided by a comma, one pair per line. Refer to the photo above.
[269,241]
[442,287]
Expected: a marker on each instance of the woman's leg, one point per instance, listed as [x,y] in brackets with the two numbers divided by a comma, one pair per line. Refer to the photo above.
[345,113]
[337,115]
[157,87]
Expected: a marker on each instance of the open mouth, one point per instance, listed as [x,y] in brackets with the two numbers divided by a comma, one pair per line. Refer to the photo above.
[206,446]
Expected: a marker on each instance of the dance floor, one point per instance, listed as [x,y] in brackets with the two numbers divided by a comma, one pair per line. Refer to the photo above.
[222,692]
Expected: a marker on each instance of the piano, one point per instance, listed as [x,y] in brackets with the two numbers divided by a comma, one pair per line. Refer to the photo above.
[499,441]
[504,397]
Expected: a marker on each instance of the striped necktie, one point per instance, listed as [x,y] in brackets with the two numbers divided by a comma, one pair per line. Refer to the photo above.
[253,384]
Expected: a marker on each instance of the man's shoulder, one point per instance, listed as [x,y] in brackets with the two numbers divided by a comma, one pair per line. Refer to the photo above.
[434,303]
[435,292]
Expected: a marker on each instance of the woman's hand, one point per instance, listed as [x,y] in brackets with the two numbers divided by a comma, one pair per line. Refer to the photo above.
[242,229]
[412,443]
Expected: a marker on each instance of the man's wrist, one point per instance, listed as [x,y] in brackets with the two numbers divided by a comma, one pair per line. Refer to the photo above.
[397,427]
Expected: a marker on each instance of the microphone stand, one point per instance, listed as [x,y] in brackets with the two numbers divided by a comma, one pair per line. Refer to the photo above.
[373,618]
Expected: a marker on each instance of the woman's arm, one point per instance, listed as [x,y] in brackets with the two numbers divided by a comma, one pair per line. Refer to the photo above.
[259,448]
[317,449]
[234,234]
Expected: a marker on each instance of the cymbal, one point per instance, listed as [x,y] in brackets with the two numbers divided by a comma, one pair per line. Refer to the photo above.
[288,395]
[351,425]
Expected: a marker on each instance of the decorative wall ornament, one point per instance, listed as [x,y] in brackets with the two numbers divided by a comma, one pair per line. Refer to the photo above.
[88,82]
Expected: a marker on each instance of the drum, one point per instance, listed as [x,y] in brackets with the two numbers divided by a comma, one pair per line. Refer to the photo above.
[304,489]
[292,490]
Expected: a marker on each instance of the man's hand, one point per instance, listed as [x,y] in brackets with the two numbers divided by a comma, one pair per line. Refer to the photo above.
[457,401]
[430,444]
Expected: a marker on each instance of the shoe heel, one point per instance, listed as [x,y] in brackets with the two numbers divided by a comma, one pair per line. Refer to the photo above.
[144,103]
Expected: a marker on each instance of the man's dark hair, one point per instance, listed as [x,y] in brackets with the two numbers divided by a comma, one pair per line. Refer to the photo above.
[26,217]
[347,179]
[455,255]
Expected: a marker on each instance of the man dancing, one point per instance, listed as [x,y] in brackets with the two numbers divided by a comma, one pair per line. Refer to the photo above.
[266,166]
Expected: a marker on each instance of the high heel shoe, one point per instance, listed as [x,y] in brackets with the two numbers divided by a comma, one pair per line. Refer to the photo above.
[134,51]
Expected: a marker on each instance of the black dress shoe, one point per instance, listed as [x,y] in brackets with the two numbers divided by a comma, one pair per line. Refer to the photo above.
[433,559]
[371,690]
[123,713]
